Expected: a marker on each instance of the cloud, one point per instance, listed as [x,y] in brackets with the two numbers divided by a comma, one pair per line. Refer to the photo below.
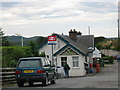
[55,15]
[55,0]
[24,13]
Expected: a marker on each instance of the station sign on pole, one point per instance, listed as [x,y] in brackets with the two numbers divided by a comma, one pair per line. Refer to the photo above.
[52,40]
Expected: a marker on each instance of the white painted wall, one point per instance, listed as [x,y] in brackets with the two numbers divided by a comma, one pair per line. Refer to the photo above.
[96,53]
[74,71]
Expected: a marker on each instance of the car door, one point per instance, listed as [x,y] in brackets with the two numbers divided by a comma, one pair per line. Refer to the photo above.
[52,69]
[47,68]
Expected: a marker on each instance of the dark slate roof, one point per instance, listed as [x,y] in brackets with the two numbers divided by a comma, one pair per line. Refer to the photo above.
[87,40]
[79,45]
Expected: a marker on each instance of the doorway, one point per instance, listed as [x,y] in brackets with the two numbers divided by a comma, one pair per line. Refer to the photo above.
[63,61]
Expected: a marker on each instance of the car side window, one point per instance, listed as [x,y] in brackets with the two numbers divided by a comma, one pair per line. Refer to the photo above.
[45,62]
[48,61]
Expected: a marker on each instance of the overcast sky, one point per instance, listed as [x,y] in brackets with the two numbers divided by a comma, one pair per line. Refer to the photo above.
[59,16]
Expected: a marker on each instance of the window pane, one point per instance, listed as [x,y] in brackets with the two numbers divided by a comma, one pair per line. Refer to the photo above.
[29,63]
[75,62]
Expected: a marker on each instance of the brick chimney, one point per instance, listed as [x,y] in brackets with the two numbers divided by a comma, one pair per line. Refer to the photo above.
[73,34]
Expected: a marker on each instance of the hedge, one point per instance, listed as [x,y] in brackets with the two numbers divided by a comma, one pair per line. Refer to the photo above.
[110,58]
[10,55]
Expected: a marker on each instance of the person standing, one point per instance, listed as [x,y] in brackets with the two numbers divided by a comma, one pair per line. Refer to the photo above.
[66,70]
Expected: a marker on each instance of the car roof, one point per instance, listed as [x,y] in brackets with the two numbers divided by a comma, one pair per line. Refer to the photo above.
[31,58]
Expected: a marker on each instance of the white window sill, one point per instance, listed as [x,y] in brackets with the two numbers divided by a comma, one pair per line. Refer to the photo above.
[76,67]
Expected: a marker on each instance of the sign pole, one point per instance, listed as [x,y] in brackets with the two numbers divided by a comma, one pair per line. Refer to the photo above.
[52,40]
[52,56]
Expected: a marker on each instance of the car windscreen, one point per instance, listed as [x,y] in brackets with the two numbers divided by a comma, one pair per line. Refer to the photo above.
[30,63]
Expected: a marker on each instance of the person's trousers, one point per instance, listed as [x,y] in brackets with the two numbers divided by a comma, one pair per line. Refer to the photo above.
[67,73]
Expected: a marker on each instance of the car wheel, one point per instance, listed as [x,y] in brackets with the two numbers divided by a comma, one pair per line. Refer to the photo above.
[30,83]
[54,78]
[52,81]
[20,84]
[45,82]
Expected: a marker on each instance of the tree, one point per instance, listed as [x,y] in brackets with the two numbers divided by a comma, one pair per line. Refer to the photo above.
[42,54]
[11,55]
[99,39]
[116,44]
[1,35]
[41,41]
[5,42]
[33,48]
[1,32]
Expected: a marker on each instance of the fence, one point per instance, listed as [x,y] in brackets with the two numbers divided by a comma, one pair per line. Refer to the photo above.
[7,76]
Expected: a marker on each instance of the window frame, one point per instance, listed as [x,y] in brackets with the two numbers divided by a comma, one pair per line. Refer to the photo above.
[75,61]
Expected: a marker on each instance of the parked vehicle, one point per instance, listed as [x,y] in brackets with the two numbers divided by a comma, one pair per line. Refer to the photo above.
[34,69]
[118,58]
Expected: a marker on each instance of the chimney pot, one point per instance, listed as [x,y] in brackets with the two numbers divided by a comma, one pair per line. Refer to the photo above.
[79,33]
[73,34]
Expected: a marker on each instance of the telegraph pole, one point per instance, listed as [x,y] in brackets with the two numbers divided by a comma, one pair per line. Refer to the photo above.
[89,29]
[21,38]
[118,41]
[118,30]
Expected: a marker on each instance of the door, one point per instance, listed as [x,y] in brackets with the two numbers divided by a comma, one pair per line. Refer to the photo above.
[63,61]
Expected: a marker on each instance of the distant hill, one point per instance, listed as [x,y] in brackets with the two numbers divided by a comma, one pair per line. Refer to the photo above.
[16,40]
[100,42]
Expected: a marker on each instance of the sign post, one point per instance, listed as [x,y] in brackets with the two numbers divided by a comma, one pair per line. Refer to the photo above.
[52,40]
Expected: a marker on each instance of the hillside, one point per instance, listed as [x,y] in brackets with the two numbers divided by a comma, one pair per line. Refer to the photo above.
[107,43]
[16,40]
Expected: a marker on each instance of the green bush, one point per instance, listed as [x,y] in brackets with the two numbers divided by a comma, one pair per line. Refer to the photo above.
[110,58]
[10,55]
[42,54]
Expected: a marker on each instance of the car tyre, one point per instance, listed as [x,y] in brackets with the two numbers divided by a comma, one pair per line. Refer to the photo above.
[52,81]
[45,82]
[30,83]
[20,84]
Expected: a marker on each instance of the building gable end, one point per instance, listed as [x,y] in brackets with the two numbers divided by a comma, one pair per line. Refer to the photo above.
[69,51]
[68,45]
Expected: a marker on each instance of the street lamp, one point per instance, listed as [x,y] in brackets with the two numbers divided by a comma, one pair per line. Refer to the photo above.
[21,38]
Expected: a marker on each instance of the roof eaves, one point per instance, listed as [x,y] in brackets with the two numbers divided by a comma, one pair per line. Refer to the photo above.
[61,38]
